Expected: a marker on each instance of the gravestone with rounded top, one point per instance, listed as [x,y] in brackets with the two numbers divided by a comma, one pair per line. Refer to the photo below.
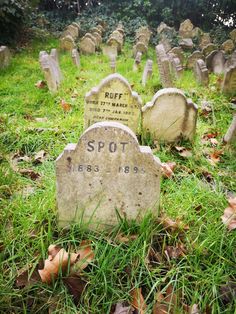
[186,28]
[201,72]
[229,82]
[113,100]
[215,61]
[170,116]
[75,57]
[106,173]
[193,58]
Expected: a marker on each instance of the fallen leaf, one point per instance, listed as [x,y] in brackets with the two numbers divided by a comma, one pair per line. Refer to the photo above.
[41,119]
[228,292]
[138,301]
[171,297]
[160,307]
[17,158]
[153,257]
[65,105]
[229,217]
[174,252]
[122,308]
[125,238]
[53,250]
[29,173]
[167,168]
[172,225]
[214,157]
[40,84]
[40,157]
[76,285]
[85,256]
[184,152]
[26,277]
[208,176]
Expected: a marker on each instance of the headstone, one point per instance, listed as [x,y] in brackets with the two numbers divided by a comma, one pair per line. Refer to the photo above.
[74,31]
[76,25]
[98,38]
[185,29]
[232,35]
[170,116]
[106,175]
[165,41]
[201,72]
[67,43]
[231,60]
[208,49]
[163,66]
[140,47]
[197,33]
[193,58]
[75,57]
[54,55]
[4,57]
[113,100]
[137,61]
[228,46]
[113,64]
[205,39]
[147,72]
[87,46]
[215,62]
[92,37]
[176,66]
[178,51]
[161,27]
[186,43]
[114,42]
[109,51]
[229,82]
[230,136]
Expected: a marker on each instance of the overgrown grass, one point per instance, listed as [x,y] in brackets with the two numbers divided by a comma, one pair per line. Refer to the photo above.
[28,222]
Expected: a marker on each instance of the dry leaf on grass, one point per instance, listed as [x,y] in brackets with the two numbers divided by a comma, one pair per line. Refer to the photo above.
[33,175]
[174,252]
[137,300]
[229,217]
[165,304]
[214,157]
[40,157]
[27,277]
[172,225]
[183,152]
[65,105]
[168,168]
[125,238]
[40,84]
[228,292]
[122,308]
[75,285]
[85,256]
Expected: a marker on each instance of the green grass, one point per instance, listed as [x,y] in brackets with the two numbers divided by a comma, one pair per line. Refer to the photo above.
[29,225]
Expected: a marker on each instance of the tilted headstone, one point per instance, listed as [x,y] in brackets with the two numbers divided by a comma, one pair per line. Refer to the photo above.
[228,46]
[215,61]
[170,116]
[162,27]
[106,173]
[147,72]
[98,38]
[230,136]
[75,57]
[205,39]
[164,66]
[232,35]
[229,82]
[178,51]
[87,46]
[54,55]
[201,72]
[113,100]
[185,29]
[208,49]
[67,43]
[92,37]
[76,25]
[193,58]
[137,61]
[4,57]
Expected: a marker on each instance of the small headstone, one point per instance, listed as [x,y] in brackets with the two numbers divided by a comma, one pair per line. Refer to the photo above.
[228,46]
[113,100]
[4,57]
[137,61]
[178,51]
[114,42]
[170,116]
[193,58]
[163,66]
[186,43]
[74,31]
[205,39]
[230,136]
[87,46]
[54,55]
[113,64]
[92,37]
[161,27]
[75,57]
[232,35]
[208,49]
[215,62]
[98,38]
[106,173]
[231,60]
[147,72]
[67,43]
[76,25]
[176,66]
[140,47]
[185,29]
[229,82]
[201,72]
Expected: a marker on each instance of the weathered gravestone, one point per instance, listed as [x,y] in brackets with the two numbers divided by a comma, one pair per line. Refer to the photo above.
[232,35]
[208,49]
[139,47]
[51,70]
[109,51]
[186,43]
[230,136]
[231,60]
[113,64]
[215,62]
[67,43]
[4,57]
[178,51]
[87,46]
[201,72]
[176,66]
[147,72]
[73,30]
[164,66]
[104,173]
[228,46]
[75,57]
[137,61]
[229,82]
[185,29]
[170,116]
[113,100]
[193,58]
[205,39]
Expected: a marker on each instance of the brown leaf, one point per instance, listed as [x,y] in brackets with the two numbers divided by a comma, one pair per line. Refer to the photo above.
[159,306]
[208,176]
[40,84]
[174,252]
[184,152]
[53,250]
[153,257]
[40,157]
[76,285]
[229,217]
[126,238]
[122,308]
[137,300]
[65,105]
[168,168]
[214,157]
[33,175]
[228,292]
[172,225]
[26,277]
[85,256]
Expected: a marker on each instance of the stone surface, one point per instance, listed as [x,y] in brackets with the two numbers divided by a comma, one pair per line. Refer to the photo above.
[73,30]
[164,66]
[109,51]
[193,58]
[139,47]
[147,72]
[113,64]
[208,49]
[230,136]
[170,116]
[114,42]
[229,82]
[228,46]
[113,100]
[178,51]
[197,32]
[232,35]
[87,46]
[67,43]
[104,173]
[137,61]
[231,60]
[176,66]
[186,43]
[186,29]
[201,72]
[92,37]
[205,39]
[75,57]
[215,62]
[4,57]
